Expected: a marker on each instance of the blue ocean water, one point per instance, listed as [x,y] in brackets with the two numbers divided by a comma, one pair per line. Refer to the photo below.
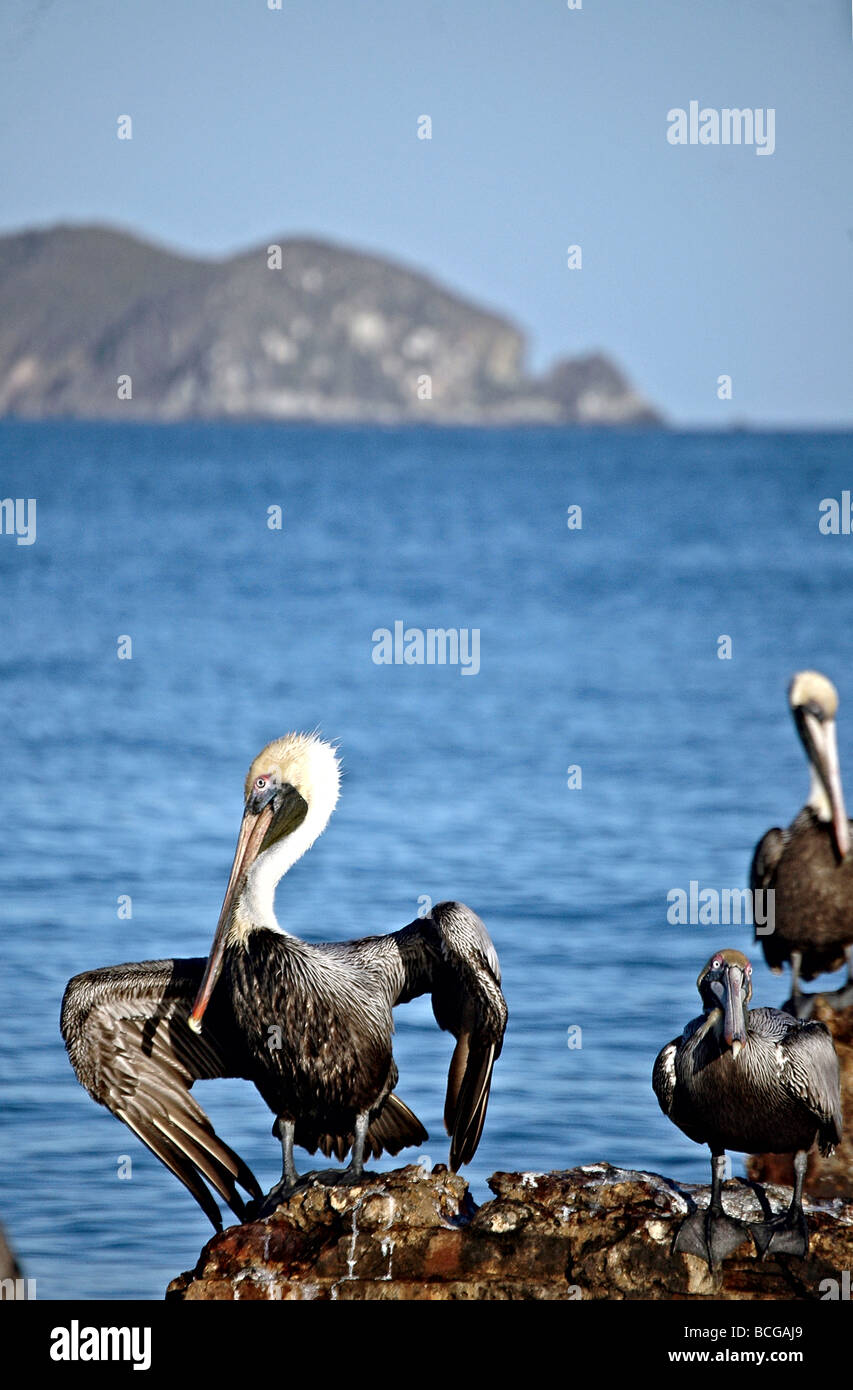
[598,648]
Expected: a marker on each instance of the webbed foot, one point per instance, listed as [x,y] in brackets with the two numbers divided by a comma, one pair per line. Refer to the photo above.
[336,1177]
[317,1177]
[800,1006]
[265,1206]
[710,1235]
[840,998]
[783,1235]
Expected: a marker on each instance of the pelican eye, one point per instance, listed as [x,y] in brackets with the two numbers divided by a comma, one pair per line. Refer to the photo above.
[716,964]
[261,783]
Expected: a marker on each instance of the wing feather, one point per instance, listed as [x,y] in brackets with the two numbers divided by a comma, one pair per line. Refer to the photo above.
[765,860]
[450,955]
[125,1029]
[814,1074]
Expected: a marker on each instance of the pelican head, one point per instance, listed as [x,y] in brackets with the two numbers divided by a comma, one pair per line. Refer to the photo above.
[725,985]
[291,790]
[814,702]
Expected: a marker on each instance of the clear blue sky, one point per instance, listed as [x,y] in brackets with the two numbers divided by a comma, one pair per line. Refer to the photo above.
[549,128]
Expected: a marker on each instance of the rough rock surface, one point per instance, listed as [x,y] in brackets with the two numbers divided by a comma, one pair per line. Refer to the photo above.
[825,1177]
[595,1232]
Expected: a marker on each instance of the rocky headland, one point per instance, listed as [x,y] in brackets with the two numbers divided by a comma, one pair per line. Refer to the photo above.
[98,324]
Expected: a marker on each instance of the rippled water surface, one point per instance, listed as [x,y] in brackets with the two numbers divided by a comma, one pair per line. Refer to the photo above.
[598,648]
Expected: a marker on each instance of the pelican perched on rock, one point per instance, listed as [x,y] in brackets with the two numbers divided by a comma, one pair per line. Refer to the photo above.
[752,1080]
[310,1025]
[808,867]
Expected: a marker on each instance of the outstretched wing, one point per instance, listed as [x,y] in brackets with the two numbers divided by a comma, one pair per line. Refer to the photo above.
[125,1029]
[450,955]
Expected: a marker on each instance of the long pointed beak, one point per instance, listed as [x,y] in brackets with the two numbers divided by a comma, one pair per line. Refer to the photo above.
[254,827]
[832,777]
[734,1031]
[822,749]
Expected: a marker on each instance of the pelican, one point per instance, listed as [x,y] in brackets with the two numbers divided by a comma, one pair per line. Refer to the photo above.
[753,1080]
[310,1025]
[808,867]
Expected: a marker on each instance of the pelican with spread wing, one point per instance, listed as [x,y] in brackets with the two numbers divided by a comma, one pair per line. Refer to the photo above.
[310,1025]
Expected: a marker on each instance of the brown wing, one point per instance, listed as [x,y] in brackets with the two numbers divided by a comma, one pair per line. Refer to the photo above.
[765,860]
[814,1073]
[125,1029]
[762,873]
[450,955]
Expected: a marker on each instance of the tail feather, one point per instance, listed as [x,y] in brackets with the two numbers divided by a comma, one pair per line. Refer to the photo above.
[396,1127]
[170,1154]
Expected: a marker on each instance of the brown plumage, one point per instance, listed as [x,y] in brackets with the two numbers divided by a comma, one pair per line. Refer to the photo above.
[808,867]
[310,1025]
[126,1032]
[751,1080]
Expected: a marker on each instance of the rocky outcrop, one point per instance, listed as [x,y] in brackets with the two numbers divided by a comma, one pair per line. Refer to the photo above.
[97,324]
[595,1232]
[592,391]
[825,1177]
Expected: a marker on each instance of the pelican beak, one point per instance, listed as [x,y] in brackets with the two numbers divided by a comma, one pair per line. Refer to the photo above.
[281,812]
[832,777]
[734,1023]
[822,749]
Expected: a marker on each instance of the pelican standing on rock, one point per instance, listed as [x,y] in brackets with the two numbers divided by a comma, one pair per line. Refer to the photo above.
[808,867]
[310,1025]
[752,1080]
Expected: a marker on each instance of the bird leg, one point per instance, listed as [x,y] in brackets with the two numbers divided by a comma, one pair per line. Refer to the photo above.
[801,1005]
[787,1234]
[843,998]
[356,1162]
[286,1130]
[338,1177]
[709,1233]
[354,1171]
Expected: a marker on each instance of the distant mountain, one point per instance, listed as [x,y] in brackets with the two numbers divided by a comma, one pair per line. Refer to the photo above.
[332,335]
